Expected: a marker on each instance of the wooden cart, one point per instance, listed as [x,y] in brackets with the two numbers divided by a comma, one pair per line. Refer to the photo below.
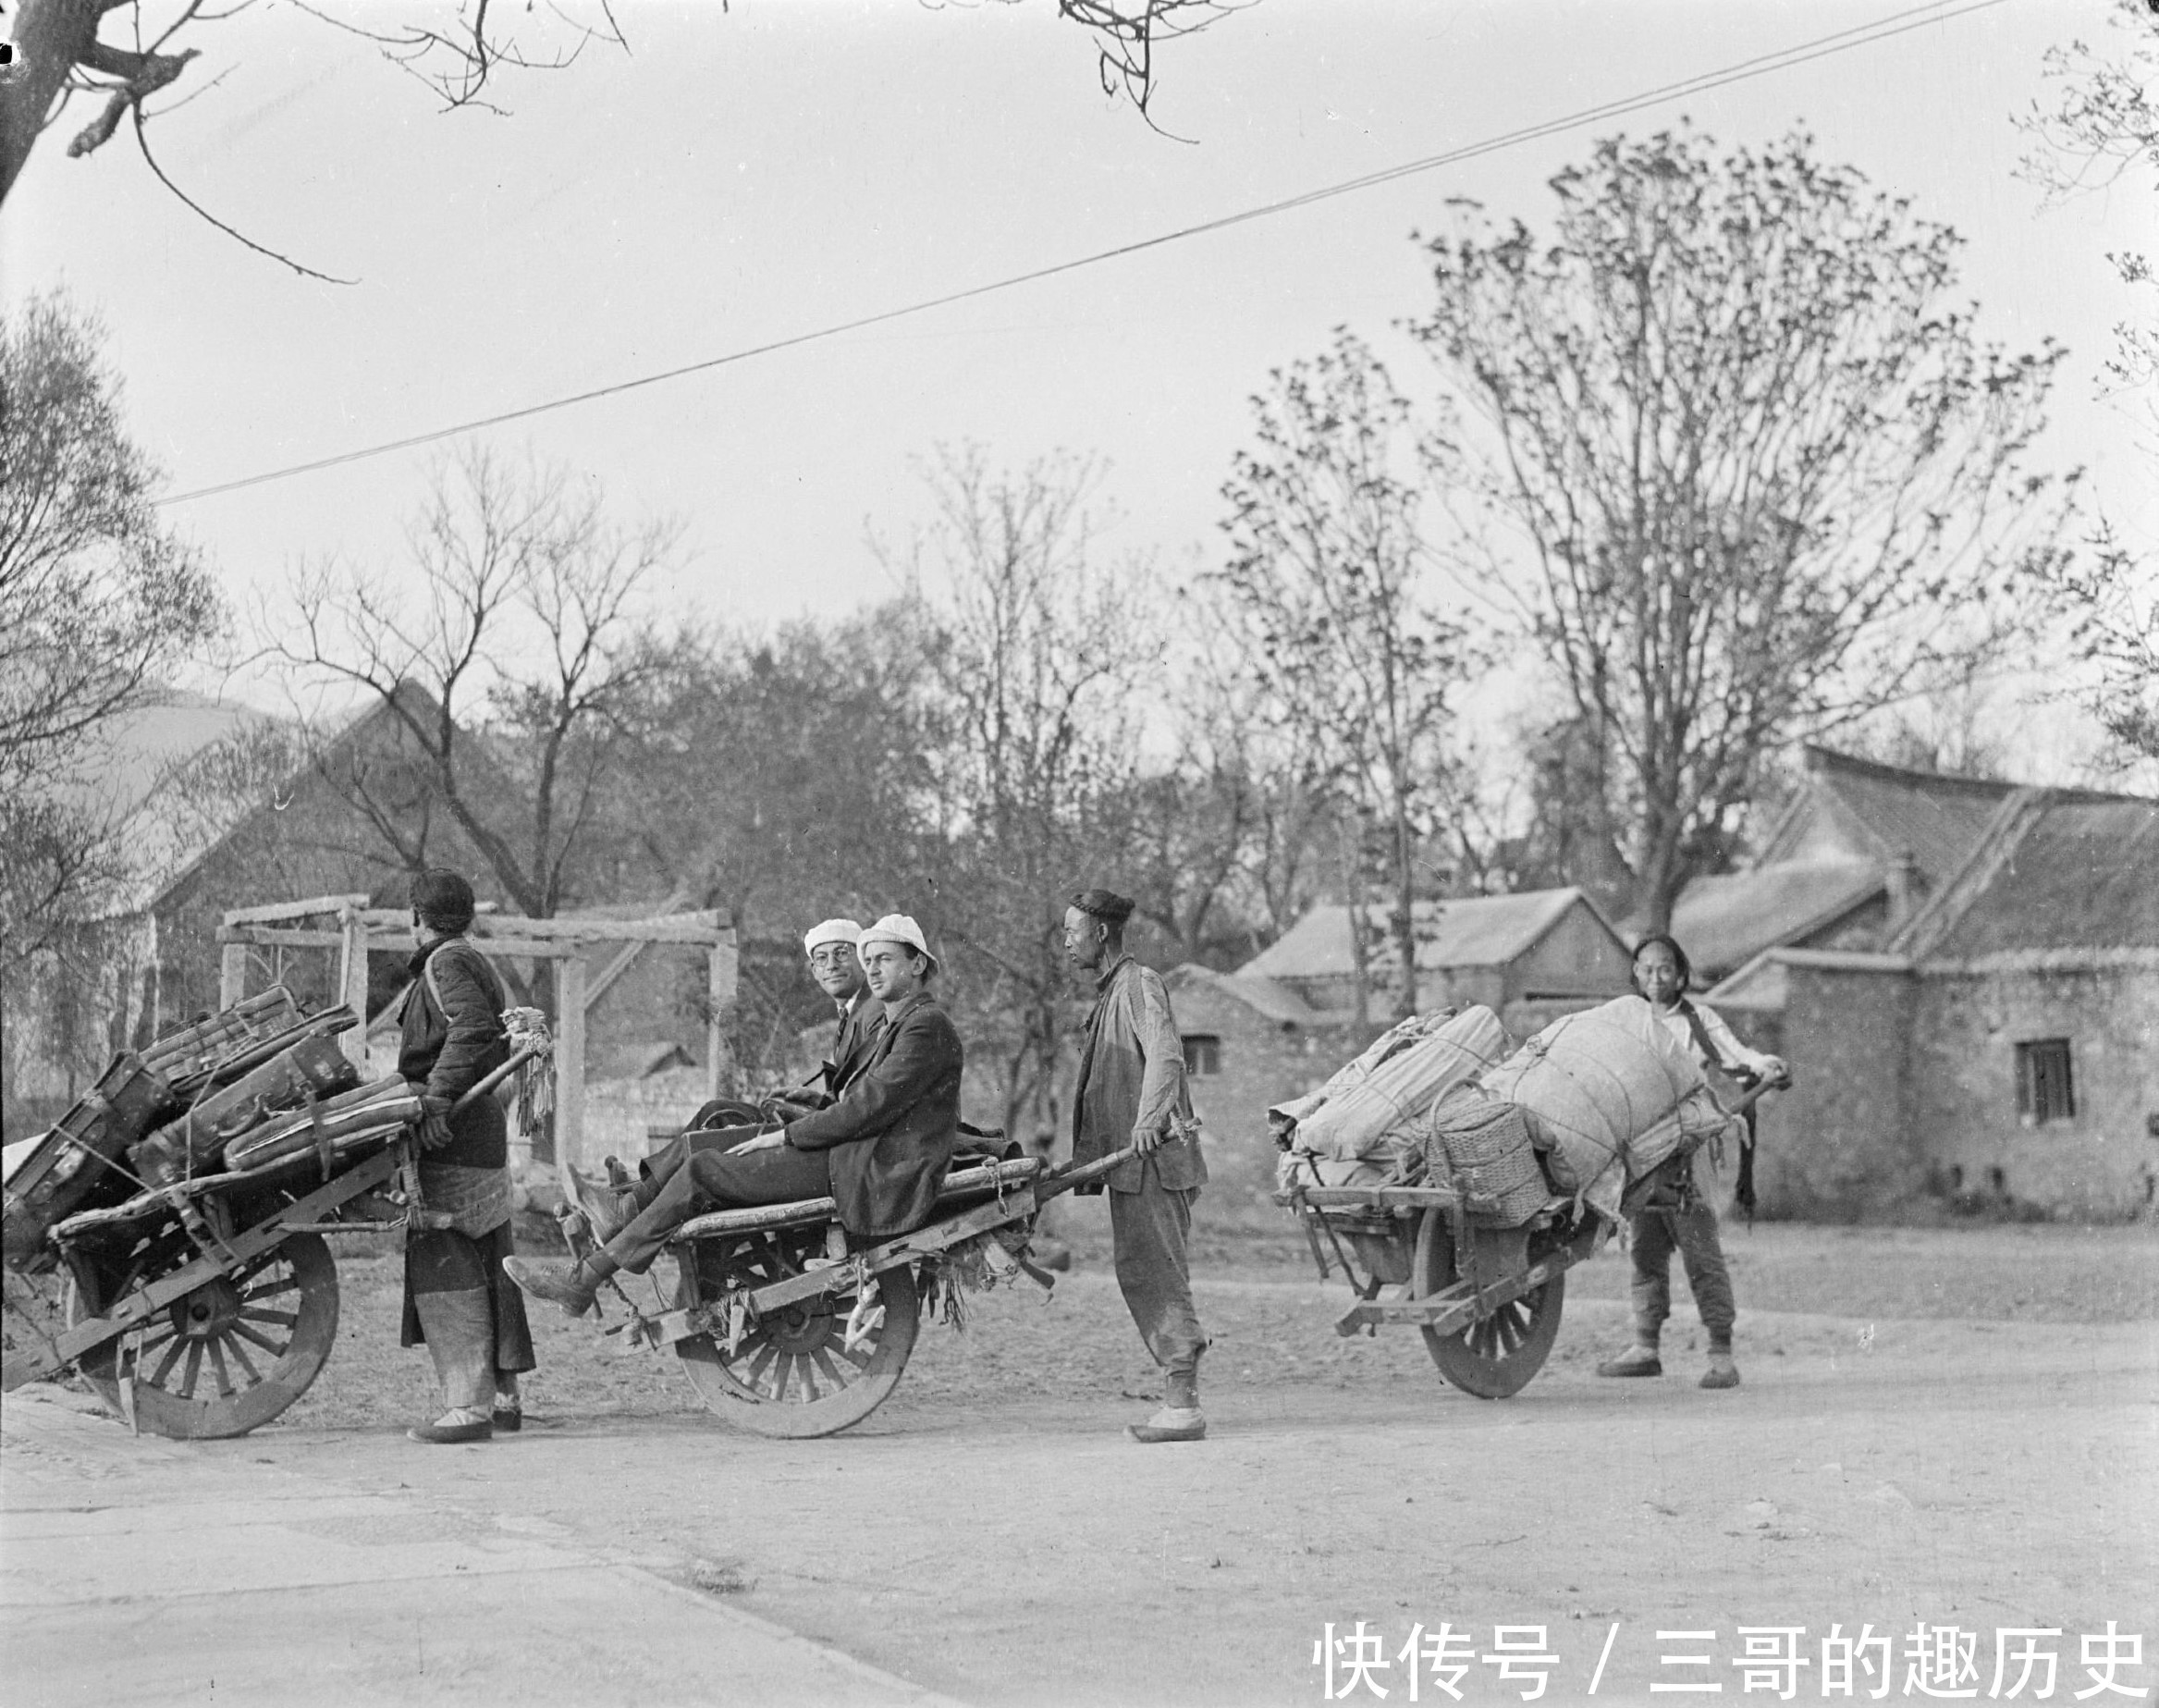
[786,1330]
[1487,1298]
[1486,1291]
[205,1309]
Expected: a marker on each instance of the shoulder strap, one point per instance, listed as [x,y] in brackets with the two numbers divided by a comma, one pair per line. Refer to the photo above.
[434,984]
[1702,1041]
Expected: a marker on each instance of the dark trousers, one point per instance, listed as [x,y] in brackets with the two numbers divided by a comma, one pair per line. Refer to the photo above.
[710,1179]
[1150,1229]
[1692,1231]
[663,1163]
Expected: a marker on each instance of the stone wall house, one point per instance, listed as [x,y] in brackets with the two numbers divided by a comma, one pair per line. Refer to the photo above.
[1250,1043]
[1861,848]
[1996,1045]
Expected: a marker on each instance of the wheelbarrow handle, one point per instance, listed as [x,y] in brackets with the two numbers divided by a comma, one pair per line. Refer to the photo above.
[1065,1180]
[496,1077]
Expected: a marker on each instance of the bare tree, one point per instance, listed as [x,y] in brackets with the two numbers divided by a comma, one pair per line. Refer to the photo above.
[2104,121]
[1327,555]
[99,602]
[515,661]
[1046,651]
[456,52]
[1225,842]
[1765,476]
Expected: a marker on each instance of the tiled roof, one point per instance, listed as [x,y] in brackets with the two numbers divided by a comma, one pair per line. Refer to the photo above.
[1725,920]
[1271,1001]
[2084,875]
[1937,819]
[1483,930]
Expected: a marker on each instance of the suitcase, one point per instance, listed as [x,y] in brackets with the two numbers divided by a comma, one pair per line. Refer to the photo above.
[64,1171]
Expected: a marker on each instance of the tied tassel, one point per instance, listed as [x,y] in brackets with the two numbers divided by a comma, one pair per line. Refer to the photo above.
[534,1099]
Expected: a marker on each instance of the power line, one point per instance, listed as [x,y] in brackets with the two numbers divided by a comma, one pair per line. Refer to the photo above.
[1820,47]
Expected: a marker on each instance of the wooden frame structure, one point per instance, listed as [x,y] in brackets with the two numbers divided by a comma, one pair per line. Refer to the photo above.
[347,923]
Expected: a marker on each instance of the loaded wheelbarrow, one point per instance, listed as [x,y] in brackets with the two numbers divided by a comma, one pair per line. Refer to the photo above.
[201,1305]
[1480,1272]
[787,1330]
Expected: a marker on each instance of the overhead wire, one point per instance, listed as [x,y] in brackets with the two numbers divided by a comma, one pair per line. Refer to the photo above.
[1819,47]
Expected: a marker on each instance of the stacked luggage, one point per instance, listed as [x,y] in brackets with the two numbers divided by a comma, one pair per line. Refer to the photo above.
[175,1110]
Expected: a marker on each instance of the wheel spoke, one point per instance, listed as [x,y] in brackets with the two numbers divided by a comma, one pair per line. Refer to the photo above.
[832,1372]
[766,1353]
[194,1369]
[271,1289]
[172,1354]
[225,1388]
[283,1319]
[239,1356]
[803,1370]
[257,1337]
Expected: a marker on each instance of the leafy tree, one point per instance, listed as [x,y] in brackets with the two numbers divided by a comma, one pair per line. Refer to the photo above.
[1327,551]
[1765,475]
[99,603]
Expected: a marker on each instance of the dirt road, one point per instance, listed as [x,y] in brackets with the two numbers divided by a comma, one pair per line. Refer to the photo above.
[989,1535]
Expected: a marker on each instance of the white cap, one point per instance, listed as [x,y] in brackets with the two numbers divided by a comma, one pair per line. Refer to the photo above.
[831,931]
[897,928]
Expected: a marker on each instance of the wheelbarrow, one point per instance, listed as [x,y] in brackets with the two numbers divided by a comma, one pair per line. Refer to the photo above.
[1484,1287]
[786,1329]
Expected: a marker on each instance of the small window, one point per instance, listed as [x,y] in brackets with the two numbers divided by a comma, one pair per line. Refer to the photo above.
[2043,1089]
[1203,1054]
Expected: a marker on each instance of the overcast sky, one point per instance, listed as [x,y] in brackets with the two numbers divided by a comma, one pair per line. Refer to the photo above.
[741,175]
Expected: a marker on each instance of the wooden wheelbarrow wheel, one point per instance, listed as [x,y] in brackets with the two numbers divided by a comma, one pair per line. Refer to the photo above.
[233,1354]
[1493,1358]
[792,1375]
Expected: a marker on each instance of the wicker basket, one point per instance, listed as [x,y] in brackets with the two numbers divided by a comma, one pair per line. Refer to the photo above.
[1485,1143]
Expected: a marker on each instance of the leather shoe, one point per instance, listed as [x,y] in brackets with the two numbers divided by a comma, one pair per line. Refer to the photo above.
[567,1285]
[1721,1372]
[1170,1423]
[451,1434]
[603,1209]
[1634,1361]
[508,1423]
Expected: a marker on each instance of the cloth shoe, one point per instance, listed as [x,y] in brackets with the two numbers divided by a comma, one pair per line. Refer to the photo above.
[570,1286]
[1170,1423]
[603,1211]
[1635,1360]
[1721,1372]
[508,1419]
[451,1429]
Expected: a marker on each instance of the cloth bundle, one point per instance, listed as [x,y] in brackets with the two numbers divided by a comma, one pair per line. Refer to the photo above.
[1357,1129]
[1613,1093]
[365,1116]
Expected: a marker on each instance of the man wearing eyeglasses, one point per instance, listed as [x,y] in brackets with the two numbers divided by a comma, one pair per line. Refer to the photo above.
[837,967]
[725,1123]
[881,1149]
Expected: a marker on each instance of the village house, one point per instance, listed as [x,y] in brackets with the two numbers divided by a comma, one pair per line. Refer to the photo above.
[220,812]
[1965,975]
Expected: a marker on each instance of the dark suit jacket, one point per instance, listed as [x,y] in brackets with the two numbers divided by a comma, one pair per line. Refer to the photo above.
[892,1132]
[853,1043]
